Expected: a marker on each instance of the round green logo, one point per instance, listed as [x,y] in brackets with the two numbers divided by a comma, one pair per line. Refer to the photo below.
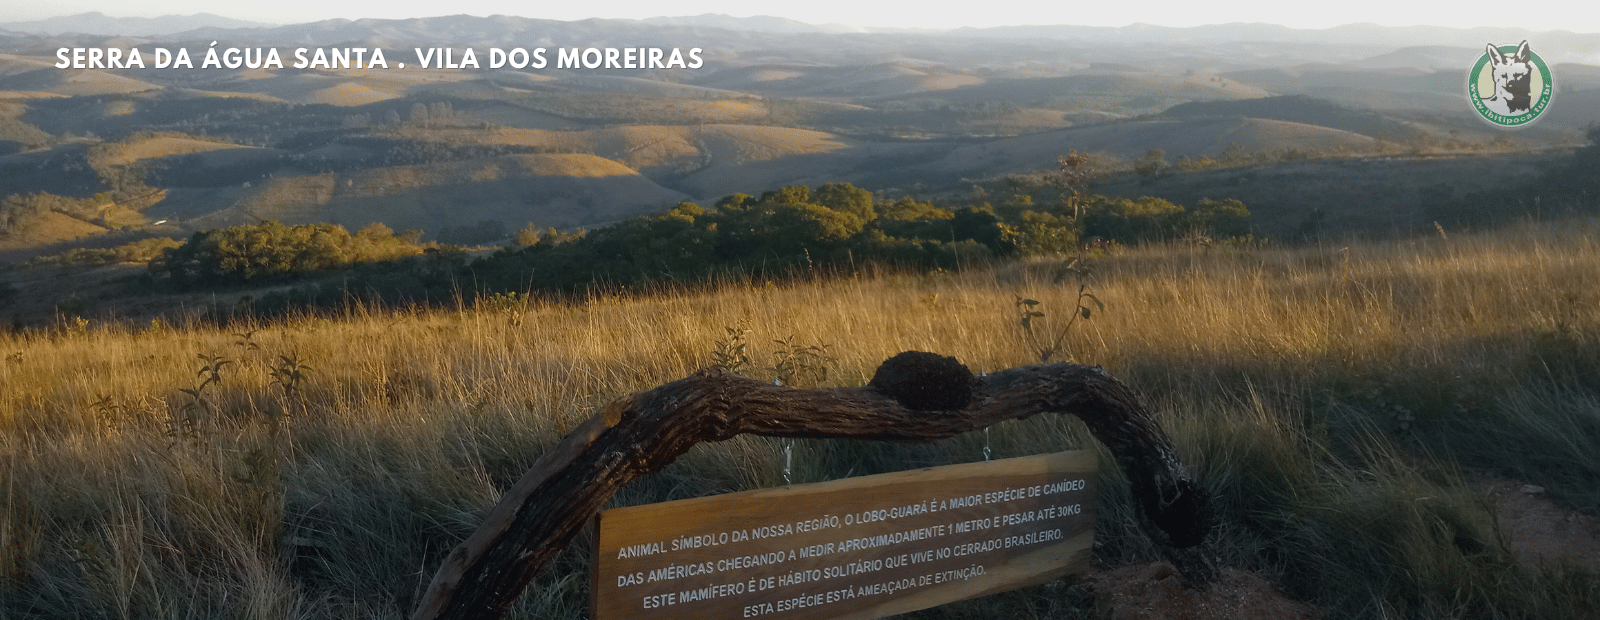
[1510,85]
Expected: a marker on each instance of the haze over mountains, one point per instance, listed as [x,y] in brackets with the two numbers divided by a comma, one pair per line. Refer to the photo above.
[102,24]
[1354,34]
[776,102]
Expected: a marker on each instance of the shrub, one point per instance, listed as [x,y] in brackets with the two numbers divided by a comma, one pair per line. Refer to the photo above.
[271,250]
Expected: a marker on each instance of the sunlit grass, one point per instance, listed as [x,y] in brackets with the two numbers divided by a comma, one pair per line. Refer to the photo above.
[1331,396]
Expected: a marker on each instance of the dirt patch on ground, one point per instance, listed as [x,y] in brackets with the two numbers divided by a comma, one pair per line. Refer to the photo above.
[1153,592]
[1539,532]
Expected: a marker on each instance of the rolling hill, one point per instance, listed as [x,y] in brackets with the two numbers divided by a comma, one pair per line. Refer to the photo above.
[890,79]
[1380,196]
[1301,109]
[73,82]
[1196,137]
[561,190]
[700,160]
[53,229]
[154,147]
[776,103]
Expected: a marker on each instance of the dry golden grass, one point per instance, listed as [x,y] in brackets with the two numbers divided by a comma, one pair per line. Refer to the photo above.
[335,494]
[53,227]
[1189,138]
[127,152]
[645,146]
[334,87]
[346,94]
[77,82]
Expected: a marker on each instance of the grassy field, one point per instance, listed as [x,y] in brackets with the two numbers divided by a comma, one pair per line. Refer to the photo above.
[1337,399]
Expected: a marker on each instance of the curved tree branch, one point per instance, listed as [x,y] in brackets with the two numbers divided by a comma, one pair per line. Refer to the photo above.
[914,397]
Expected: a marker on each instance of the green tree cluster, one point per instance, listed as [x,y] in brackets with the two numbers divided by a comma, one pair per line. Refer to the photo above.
[141,251]
[785,230]
[271,250]
[1150,219]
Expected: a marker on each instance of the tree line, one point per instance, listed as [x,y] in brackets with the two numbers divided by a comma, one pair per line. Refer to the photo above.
[271,251]
[785,232]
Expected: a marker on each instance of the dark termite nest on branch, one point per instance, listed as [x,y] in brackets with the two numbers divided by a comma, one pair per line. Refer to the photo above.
[922,381]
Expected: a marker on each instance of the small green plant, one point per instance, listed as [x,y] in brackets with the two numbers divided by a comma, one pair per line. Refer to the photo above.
[1037,337]
[290,374]
[246,341]
[513,305]
[211,371]
[75,326]
[731,352]
[110,413]
[504,302]
[802,365]
[186,424]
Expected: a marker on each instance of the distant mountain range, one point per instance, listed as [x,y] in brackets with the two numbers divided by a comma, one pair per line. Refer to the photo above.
[777,102]
[756,23]
[102,24]
[466,29]
[746,41]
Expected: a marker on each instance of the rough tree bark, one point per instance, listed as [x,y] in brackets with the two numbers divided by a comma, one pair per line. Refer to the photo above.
[914,397]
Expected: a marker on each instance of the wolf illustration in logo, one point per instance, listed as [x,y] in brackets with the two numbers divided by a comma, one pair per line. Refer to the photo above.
[1511,80]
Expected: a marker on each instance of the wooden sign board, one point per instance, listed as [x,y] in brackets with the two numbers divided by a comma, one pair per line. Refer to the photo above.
[862,547]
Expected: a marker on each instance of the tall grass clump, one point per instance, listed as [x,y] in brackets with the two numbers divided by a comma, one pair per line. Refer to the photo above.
[1337,399]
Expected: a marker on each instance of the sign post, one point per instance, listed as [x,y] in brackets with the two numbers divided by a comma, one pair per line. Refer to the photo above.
[863,547]
[913,396]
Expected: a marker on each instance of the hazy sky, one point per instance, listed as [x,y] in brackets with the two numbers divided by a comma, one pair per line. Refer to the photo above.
[1303,14]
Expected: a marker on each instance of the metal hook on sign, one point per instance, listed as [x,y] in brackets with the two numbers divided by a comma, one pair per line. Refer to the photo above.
[788,453]
[986,451]
[788,459]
